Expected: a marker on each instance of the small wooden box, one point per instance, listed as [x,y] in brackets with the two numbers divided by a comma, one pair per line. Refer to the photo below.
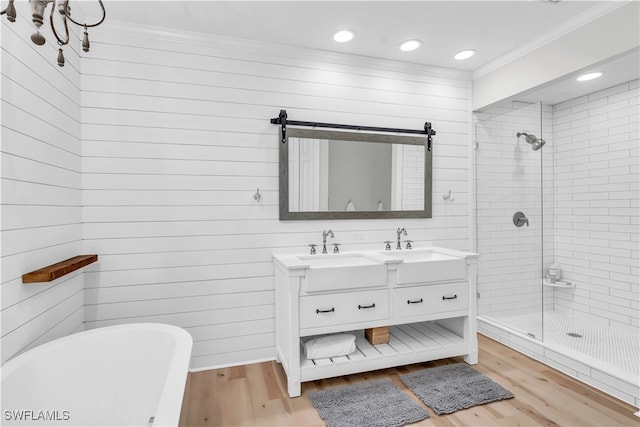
[379,335]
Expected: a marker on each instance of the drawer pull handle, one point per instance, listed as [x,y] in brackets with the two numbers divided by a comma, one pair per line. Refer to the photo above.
[420,301]
[453,297]
[360,307]
[318,311]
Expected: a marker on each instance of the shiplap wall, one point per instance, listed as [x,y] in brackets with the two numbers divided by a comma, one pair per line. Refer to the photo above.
[596,178]
[41,187]
[176,139]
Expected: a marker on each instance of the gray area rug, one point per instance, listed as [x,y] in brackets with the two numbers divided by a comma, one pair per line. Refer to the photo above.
[374,404]
[449,388]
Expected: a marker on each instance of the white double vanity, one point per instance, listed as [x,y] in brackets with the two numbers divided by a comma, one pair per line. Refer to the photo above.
[426,295]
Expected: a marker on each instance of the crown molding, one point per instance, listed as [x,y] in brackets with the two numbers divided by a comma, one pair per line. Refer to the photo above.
[550,36]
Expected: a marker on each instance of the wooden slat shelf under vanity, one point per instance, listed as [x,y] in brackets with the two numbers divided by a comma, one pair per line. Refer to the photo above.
[59,269]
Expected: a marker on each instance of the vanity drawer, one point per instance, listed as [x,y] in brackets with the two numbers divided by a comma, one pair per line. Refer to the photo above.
[427,299]
[342,308]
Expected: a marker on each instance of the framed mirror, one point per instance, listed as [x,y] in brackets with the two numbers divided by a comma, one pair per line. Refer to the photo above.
[353,175]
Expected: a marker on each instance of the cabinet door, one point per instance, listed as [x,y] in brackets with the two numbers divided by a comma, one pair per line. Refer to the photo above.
[343,308]
[427,299]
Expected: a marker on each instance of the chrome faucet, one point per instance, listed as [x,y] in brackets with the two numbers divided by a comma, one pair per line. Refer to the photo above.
[324,239]
[400,232]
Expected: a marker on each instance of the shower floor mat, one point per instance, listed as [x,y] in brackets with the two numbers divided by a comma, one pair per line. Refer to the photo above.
[616,347]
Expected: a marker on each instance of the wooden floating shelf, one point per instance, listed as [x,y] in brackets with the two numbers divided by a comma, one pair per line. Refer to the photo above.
[59,269]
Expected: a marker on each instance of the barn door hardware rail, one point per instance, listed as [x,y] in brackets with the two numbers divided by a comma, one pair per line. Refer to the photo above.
[283,122]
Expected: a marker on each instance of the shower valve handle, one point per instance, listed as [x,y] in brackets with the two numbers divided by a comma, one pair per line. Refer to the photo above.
[520,219]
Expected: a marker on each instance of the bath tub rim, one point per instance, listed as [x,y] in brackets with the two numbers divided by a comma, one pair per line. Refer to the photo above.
[174,386]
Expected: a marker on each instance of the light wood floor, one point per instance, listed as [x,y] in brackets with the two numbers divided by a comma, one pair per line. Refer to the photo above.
[255,395]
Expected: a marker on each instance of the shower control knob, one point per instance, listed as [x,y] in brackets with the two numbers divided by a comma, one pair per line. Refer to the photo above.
[520,219]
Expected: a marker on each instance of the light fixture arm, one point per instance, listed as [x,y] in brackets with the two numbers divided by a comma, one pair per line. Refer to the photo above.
[61,42]
[38,12]
[68,15]
[10,10]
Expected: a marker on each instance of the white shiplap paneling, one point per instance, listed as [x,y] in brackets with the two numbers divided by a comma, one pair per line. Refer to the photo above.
[176,139]
[41,188]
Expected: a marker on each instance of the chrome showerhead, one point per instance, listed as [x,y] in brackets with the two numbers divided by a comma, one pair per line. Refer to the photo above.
[531,139]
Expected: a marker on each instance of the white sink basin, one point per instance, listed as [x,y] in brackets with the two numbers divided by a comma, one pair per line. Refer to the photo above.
[342,271]
[427,265]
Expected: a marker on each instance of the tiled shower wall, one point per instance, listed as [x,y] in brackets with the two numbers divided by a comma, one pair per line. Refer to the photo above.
[596,181]
[508,174]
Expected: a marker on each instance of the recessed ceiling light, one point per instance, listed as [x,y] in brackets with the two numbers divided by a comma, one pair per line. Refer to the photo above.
[410,45]
[344,36]
[589,76]
[464,54]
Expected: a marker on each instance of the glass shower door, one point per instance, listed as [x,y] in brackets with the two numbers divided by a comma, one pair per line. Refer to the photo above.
[509,212]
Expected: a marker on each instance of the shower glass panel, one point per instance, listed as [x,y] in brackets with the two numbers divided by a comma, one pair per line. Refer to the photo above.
[509,215]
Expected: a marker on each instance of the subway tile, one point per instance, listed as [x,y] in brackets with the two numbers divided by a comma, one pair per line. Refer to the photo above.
[588,105]
[605,386]
[621,88]
[622,126]
[613,126]
[564,107]
[609,107]
[611,170]
[631,112]
[625,95]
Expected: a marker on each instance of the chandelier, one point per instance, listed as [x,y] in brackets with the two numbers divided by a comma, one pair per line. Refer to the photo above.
[38,11]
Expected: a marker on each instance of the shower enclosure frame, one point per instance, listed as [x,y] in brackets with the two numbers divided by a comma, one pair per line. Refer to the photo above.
[513,163]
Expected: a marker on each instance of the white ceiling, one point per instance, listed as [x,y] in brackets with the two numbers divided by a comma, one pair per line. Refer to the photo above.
[617,71]
[493,28]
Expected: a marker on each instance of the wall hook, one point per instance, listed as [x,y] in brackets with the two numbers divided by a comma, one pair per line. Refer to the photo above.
[257,196]
[448,197]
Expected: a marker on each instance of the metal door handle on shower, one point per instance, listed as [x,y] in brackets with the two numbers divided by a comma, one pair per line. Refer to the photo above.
[520,219]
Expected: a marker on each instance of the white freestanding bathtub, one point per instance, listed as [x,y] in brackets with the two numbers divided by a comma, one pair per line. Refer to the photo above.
[127,375]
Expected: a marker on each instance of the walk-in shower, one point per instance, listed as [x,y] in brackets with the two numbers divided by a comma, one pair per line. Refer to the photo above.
[579,224]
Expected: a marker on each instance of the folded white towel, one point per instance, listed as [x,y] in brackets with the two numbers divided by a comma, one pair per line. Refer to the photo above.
[330,346]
